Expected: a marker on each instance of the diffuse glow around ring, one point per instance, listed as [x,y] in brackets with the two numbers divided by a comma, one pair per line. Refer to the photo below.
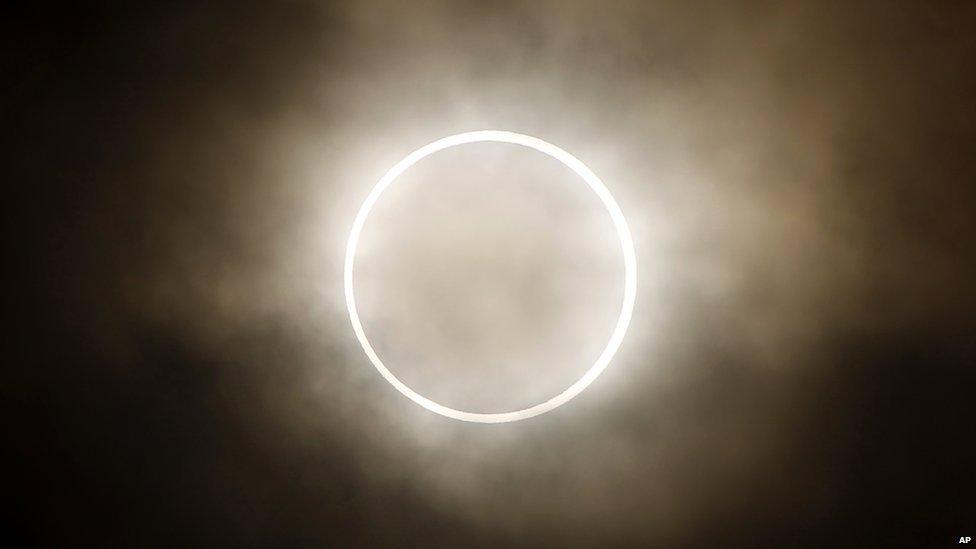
[626,246]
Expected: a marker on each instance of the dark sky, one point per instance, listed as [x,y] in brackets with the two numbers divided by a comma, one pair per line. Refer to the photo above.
[800,179]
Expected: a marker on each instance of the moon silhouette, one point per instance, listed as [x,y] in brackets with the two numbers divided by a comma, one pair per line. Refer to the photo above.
[626,248]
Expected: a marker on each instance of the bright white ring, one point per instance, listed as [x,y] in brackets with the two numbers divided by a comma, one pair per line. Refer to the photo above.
[626,246]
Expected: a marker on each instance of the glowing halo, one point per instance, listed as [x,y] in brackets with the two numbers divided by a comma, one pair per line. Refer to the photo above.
[626,245]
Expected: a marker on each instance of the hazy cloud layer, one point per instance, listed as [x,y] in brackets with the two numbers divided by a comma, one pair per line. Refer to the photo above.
[797,176]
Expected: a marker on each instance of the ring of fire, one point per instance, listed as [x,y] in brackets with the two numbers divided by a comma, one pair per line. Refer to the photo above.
[626,246]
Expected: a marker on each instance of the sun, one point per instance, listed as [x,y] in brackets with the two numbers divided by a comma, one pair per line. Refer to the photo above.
[626,248]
